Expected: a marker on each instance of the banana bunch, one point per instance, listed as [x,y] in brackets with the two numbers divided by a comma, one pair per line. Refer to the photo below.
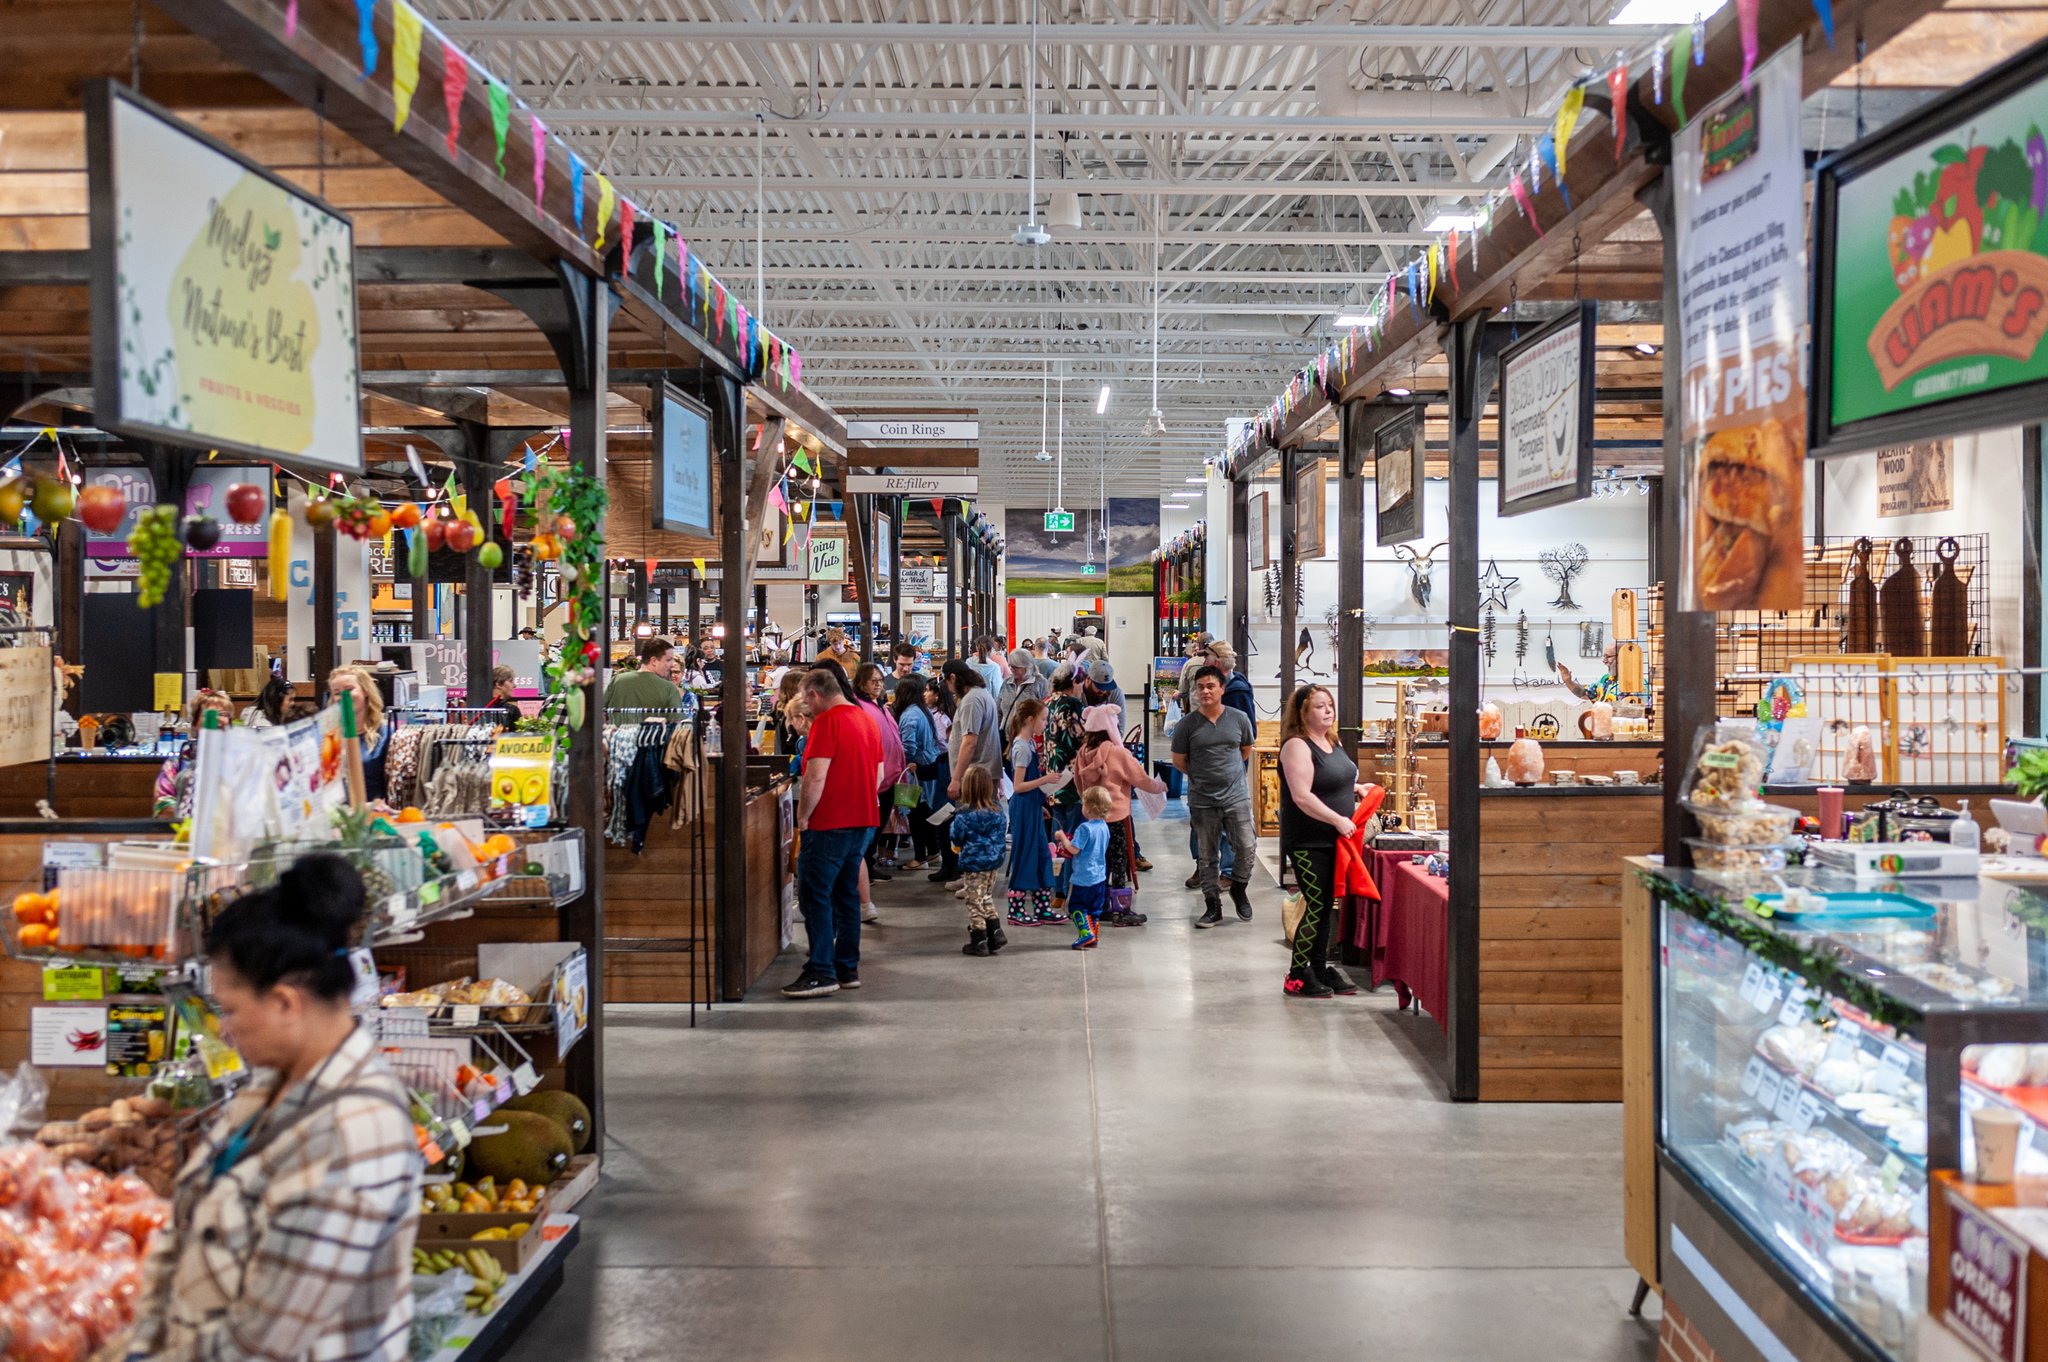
[487,1273]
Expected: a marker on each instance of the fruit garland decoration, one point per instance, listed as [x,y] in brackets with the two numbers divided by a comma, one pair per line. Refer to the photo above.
[571,518]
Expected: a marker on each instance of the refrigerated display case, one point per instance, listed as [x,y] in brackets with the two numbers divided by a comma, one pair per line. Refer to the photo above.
[1810,1069]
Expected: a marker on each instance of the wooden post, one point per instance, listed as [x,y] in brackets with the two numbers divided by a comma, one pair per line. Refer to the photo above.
[1349,664]
[1290,563]
[728,430]
[1240,601]
[473,475]
[895,552]
[952,586]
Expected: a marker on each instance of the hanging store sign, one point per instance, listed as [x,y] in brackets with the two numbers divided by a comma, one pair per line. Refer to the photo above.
[682,464]
[223,298]
[1397,479]
[914,484]
[1738,176]
[1546,415]
[1931,268]
[919,581]
[904,430]
[827,559]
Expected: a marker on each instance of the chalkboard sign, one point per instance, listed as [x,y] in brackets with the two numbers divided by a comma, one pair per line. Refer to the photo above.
[223,627]
[120,655]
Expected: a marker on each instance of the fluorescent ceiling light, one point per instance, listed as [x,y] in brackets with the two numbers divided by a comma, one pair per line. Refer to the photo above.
[1102,400]
[1666,11]
[1182,495]
[1350,319]
[1199,482]
[1452,222]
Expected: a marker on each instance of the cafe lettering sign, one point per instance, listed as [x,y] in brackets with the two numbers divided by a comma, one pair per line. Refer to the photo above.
[1931,269]
[223,298]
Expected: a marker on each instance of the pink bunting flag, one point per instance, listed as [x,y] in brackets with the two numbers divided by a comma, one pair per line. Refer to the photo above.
[626,215]
[454,80]
[1745,21]
[540,160]
[1521,193]
[291,20]
[1617,94]
[796,369]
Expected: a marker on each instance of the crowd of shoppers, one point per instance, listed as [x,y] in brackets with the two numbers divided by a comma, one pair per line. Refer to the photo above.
[1009,775]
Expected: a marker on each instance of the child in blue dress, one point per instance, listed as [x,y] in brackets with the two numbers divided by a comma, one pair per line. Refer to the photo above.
[1031,867]
[977,834]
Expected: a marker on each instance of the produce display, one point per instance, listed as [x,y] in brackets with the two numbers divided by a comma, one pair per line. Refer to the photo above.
[72,1240]
[487,1273]
[565,1109]
[531,1149]
[483,1197]
[145,1135]
[508,1002]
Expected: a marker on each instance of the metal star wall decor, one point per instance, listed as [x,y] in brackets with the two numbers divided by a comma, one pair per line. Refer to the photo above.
[1496,585]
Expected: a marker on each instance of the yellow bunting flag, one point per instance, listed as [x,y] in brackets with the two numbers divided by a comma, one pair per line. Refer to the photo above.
[698,563]
[1567,119]
[1433,253]
[405,60]
[604,207]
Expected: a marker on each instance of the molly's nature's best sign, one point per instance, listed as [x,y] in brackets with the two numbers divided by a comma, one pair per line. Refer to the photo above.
[1932,260]
[223,298]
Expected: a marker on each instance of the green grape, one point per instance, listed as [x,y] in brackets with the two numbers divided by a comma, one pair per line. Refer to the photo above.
[156,548]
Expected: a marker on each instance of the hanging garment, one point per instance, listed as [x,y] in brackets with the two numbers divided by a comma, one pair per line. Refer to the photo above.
[683,759]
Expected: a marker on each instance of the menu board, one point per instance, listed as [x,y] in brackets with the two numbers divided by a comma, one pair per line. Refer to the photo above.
[1931,265]
[223,297]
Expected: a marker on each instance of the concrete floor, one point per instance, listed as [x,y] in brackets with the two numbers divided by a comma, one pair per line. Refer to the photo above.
[1145,1151]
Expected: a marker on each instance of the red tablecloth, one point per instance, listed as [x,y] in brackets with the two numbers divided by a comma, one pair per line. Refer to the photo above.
[1405,935]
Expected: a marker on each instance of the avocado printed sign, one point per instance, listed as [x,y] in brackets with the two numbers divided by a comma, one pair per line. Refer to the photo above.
[1932,261]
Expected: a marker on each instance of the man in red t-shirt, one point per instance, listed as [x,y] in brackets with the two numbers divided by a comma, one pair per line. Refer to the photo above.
[837,812]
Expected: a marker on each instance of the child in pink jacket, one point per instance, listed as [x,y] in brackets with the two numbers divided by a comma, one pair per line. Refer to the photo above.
[1105,763]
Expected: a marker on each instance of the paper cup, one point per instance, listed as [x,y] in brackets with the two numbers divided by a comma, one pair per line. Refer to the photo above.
[1996,1131]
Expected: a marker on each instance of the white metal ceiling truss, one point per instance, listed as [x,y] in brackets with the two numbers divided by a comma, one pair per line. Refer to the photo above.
[1287,153]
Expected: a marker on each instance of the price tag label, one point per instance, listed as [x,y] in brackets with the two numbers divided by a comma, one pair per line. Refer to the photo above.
[1753,1075]
[1776,1173]
[1805,1111]
[1897,1058]
[524,1078]
[1794,1010]
[1889,1173]
[458,1132]
[466,881]
[363,993]
[478,1110]
[1767,1089]
[1789,1093]
[1769,991]
[74,983]
[504,1089]
[430,894]
[1752,979]
[467,1014]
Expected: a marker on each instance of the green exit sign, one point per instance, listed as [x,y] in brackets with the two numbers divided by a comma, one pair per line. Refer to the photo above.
[1087,569]
[1059,520]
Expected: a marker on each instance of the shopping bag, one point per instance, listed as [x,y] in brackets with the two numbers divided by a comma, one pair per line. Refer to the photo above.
[1293,909]
[1153,803]
[908,793]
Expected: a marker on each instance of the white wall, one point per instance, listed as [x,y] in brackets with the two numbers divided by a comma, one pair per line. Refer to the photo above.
[1987,501]
[1616,536]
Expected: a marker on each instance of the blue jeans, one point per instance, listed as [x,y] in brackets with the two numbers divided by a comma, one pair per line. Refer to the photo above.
[828,891]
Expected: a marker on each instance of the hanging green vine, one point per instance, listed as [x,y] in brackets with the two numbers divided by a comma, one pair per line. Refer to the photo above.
[572,506]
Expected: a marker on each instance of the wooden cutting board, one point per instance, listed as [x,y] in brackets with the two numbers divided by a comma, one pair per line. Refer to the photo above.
[1624,612]
[1628,668]
[1948,615]
[1861,634]
[1898,604]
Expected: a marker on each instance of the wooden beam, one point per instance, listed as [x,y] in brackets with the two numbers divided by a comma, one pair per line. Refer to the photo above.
[880,456]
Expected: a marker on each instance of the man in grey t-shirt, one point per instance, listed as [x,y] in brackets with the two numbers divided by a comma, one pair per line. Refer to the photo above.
[1211,746]
[977,737]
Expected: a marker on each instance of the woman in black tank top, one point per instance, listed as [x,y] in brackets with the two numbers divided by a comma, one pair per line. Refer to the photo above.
[1318,793]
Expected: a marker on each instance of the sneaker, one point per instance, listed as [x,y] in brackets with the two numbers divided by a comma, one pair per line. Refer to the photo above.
[1336,980]
[1242,900]
[876,874]
[1193,881]
[943,877]
[849,978]
[1303,983]
[1126,918]
[1143,864]
[1212,915]
[869,913]
[809,985]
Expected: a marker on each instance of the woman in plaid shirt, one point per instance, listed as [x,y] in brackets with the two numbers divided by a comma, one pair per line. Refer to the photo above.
[292,1227]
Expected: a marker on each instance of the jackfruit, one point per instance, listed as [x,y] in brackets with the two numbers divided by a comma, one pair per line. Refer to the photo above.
[532,1148]
[565,1109]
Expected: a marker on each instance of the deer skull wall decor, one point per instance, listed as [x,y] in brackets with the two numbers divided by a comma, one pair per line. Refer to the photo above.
[1419,566]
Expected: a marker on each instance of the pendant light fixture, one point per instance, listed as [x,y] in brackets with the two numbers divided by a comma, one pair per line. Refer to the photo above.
[1032,233]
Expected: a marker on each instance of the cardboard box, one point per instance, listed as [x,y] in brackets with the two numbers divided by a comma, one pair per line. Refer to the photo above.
[453,1232]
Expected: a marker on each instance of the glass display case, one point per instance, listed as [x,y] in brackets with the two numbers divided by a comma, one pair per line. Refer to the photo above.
[1813,1066]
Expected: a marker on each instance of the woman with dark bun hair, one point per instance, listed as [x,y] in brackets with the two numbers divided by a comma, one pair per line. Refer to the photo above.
[292,1224]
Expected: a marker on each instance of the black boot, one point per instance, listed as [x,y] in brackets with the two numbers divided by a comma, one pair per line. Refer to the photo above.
[1242,900]
[1303,983]
[977,941]
[1334,979]
[997,937]
[1212,913]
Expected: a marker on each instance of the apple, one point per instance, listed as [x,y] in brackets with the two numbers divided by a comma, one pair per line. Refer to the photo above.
[436,533]
[101,508]
[462,536]
[565,528]
[12,498]
[319,511]
[53,500]
[202,532]
[245,501]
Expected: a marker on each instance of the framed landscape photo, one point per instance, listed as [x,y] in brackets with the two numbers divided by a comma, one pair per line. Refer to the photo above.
[1397,477]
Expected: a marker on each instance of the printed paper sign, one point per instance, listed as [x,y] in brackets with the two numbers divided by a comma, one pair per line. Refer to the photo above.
[1917,478]
[1987,1284]
[71,1036]
[1738,174]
